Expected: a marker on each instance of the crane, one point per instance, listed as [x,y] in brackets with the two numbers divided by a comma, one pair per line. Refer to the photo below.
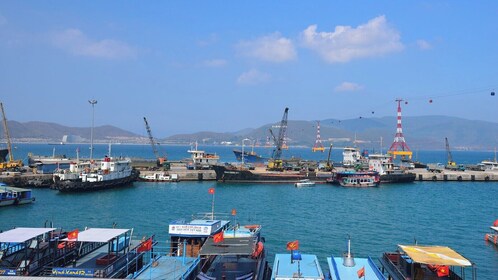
[160,160]
[448,151]
[11,164]
[329,167]
[275,162]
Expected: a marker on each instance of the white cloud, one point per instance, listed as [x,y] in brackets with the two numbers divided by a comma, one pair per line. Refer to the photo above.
[272,48]
[77,43]
[348,86]
[253,77]
[346,43]
[424,45]
[214,63]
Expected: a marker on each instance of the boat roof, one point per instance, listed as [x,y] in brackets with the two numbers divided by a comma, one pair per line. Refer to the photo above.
[339,271]
[197,227]
[494,228]
[284,268]
[99,234]
[21,234]
[229,246]
[5,188]
[436,255]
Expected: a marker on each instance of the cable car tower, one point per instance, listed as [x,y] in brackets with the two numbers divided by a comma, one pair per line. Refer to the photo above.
[318,147]
[399,146]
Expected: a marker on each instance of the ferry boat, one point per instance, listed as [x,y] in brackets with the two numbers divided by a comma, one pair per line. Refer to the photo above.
[360,180]
[91,176]
[389,173]
[235,253]
[349,267]
[304,183]
[296,266]
[14,196]
[493,235]
[426,262]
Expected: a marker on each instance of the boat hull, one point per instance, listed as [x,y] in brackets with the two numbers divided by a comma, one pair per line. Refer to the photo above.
[79,186]
[233,175]
[398,178]
[249,157]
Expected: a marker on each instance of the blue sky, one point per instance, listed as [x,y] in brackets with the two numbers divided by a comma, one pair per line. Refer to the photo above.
[223,66]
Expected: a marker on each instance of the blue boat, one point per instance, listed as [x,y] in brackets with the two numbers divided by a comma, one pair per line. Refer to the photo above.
[14,196]
[306,267]
[348,267]
[250,157]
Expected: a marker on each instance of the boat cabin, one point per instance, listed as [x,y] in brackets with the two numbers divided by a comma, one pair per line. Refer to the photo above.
[15,196]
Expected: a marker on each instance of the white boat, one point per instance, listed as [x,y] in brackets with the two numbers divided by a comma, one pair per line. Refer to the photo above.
[304,183]
[158,177]
[201,159]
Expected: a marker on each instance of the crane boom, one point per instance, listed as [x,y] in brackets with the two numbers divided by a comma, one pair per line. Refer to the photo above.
[277,153]
[448,151]
[7,135]
[151,139]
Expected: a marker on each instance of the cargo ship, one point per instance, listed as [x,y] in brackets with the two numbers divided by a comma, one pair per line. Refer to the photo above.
[249,157]
[234,174]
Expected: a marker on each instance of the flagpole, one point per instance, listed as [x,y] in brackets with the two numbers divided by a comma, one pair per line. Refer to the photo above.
[212,208]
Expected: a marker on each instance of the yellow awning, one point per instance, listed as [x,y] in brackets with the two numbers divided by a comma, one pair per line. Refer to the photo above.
[435,255]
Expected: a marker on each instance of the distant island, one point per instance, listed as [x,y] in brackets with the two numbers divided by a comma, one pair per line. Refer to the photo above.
[421,133]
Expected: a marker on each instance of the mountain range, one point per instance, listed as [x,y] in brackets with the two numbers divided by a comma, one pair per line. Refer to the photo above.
[421,133]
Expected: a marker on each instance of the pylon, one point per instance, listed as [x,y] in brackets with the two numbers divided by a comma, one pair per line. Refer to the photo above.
[399,146]
[318,143]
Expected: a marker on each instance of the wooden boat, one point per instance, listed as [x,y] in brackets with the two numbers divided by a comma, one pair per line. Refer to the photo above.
[493,235]
[15,196]
[426,262]
[304,183]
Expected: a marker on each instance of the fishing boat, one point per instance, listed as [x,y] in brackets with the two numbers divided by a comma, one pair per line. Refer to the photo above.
[91,176]
[426,262]
[296,266]
[201,159]
[389,172]
[14,196]
[235,253]
[350,267]
[237,174]
[304,183]
[493,235]
[360,180]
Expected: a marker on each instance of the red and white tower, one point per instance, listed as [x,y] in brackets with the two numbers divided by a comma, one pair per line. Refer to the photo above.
[399,146]
[318,143]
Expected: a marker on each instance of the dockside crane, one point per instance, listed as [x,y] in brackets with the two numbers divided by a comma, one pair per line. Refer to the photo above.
[448,152]
[160,160]
[11,164]
[275,163]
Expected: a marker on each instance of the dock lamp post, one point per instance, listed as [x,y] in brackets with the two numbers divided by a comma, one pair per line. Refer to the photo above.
[92,102]
[242,156]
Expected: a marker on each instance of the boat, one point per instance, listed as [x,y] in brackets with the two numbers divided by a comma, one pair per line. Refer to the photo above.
[304,183]
[250,157]
[426,262]
[351,157]
[235,253]
[91,176]
[493,235]
[98,253]
[14,195]
[350,267]
[360,179]
[201,159]
[158,177]
[296,266]
[389,173]
[236,174]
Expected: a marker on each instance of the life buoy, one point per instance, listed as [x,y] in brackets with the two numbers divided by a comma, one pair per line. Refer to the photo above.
[440,270]
[258,250]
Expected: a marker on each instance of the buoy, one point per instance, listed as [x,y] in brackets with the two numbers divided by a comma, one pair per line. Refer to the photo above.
[495,224]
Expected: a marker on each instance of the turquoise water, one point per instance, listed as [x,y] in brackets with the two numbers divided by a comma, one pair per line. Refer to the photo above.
[455,214]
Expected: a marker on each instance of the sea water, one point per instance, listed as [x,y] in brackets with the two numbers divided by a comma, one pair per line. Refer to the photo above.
[454,214]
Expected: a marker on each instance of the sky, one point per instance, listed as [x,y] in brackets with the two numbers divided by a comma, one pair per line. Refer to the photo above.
[224,66]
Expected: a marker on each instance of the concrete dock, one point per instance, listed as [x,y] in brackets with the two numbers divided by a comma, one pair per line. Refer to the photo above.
[450,175]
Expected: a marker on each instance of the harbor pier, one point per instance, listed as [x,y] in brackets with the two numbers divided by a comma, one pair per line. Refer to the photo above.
[451,175]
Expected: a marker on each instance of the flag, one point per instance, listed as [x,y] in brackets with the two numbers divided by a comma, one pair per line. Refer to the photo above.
[293,245]
[296,256]
[217,238]
[211,190]
[72,235]
[361,272]
[145,246]
[234,212]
